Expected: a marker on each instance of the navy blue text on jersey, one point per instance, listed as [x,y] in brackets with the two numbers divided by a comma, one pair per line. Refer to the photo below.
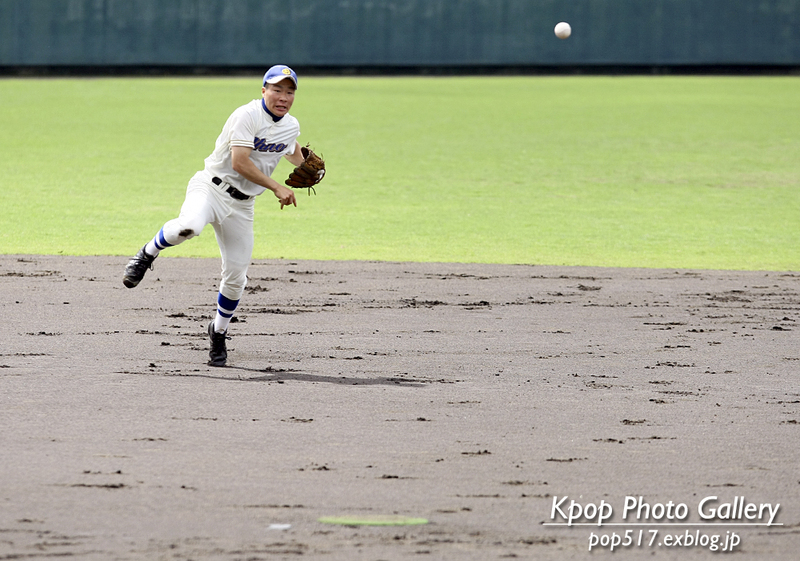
[261,145]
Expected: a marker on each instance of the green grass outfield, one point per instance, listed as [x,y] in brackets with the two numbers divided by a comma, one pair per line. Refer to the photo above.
[676,172]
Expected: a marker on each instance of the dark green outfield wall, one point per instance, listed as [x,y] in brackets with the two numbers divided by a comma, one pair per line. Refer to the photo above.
[397,32]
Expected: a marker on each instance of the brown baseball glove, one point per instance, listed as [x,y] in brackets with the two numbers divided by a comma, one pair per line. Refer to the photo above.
[309,173]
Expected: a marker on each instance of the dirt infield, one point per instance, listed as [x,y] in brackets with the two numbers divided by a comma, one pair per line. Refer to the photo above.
[475,396]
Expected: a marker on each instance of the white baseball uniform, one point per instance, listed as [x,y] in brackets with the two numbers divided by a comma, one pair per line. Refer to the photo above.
[219,196]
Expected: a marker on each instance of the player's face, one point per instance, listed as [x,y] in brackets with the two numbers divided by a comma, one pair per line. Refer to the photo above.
[279,97]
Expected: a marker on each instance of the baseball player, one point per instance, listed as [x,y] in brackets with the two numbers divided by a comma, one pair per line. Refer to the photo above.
[251,144]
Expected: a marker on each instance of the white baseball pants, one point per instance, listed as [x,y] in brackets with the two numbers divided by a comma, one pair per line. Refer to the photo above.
[232,219]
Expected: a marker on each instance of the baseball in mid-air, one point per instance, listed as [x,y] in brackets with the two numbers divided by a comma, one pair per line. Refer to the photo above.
[563,30]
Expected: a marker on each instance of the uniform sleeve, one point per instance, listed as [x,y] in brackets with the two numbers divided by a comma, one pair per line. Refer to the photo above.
[292,145]
[242,129]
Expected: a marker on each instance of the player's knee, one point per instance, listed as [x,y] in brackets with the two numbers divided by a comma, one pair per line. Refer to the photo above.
[179,230]
[188,229]
[233,284]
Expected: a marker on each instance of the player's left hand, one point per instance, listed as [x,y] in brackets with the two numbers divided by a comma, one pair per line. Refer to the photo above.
[309,172]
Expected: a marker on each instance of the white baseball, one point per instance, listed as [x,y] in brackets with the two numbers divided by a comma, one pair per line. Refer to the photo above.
[563,30]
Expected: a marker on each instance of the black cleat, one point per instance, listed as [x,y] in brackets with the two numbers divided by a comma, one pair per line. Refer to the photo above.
[218,353]
[137,267]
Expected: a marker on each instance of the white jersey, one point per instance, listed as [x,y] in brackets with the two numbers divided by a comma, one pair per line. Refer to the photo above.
[251,126]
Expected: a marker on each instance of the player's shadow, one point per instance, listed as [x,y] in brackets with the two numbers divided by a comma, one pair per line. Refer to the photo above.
[281,375]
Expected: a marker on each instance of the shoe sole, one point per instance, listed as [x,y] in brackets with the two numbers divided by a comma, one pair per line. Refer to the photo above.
[129,283]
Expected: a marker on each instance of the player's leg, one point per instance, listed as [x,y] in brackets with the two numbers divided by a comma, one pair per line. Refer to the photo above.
[197,211]
[235,239]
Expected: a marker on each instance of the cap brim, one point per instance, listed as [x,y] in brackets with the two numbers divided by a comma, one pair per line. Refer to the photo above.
[278,79]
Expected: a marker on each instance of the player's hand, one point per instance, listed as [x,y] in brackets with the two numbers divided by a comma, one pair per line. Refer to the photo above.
[285,196]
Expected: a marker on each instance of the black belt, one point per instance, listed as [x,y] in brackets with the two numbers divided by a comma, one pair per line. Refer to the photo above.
[231,190]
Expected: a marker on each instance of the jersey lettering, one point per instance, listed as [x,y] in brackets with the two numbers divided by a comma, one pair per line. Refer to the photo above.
[261,145]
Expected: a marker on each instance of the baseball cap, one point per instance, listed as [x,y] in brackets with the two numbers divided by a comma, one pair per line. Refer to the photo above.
[279,72]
